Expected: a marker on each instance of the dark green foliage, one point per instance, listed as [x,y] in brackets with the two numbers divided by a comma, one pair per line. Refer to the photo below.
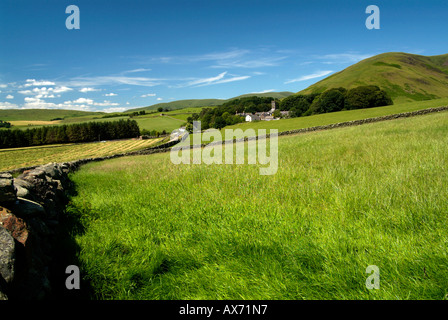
[335,99]
[82,132]
[366,97]
[329,101]
[297,104]
[152,133]
[4,124]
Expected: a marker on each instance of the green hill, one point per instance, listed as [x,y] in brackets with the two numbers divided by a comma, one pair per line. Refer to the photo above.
[194,103]
[181,104]
[406,77]
[42,114]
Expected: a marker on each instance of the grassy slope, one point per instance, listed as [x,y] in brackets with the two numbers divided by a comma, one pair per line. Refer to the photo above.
[341,200]
[406,77]
[194,103]
[42,114]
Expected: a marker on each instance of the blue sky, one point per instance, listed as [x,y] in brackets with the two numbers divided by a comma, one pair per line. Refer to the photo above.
[130,54]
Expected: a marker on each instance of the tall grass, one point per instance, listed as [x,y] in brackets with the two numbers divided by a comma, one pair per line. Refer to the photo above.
[341,200]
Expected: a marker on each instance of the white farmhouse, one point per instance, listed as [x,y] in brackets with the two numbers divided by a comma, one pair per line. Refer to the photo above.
[252,117]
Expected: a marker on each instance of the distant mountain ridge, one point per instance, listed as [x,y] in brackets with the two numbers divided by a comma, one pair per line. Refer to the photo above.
[193,103]
[405,77]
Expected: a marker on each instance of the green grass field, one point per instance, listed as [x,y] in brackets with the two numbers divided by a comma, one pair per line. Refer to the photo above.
[32,156]
[172,119]
[44,114]
[341,200]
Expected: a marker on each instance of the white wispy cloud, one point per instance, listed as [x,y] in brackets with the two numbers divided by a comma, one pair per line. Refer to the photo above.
[8,105]
[45,92]
[348,57]
[265,91]
[206,81]
[114,80]
[34,82]
[36,103]
[148,95]
[82,104]
[105,103]
[136,70]
[9,96]
[234,58]
[116,109]
[110,94]
[84,90]
[310,76]
[249,63]
[220,78]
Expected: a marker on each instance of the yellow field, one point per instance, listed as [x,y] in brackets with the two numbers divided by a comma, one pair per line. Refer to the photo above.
[33,123]
[27,157]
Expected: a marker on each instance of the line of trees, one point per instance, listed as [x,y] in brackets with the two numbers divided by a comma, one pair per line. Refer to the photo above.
[152,133]
[335,99]
[5,124]
[80,132]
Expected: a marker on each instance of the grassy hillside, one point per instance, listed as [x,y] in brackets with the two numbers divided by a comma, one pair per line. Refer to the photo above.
[42,114]
[341,200]
[194,103]
[406,77]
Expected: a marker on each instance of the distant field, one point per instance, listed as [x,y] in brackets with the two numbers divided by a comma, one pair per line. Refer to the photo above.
[43,114]
[33,123]
[341,200]
[27,157]
[172,120]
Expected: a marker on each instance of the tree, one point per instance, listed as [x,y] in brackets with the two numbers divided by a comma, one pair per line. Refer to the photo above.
[219,123]
[160,109]
[366,97]
[330,101]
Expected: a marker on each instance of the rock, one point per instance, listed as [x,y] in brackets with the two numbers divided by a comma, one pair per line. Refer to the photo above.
[7,189]
[29,175]
[25,208]
[7,256]
[22,192]
[52,170]
[3,296]
[16,226]
[22,183]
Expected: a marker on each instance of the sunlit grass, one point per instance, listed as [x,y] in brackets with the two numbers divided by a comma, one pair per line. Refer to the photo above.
[341,200]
